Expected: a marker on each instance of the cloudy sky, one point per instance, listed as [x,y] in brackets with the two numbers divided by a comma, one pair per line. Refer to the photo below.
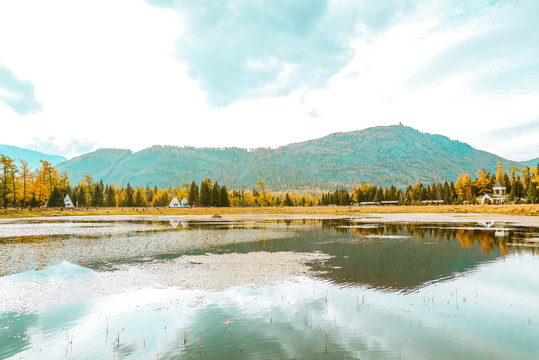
[80,75]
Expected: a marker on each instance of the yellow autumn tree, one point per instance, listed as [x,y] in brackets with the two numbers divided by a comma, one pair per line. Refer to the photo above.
[483,181]
[161,198]
[46,180]
[463,188]
[525,178]
[499,172]
[535,178]
[63,181]
[26,178]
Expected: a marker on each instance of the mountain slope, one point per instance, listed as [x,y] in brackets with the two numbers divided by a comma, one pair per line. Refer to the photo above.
[389,155]
[533,163]
[99,163]
[30,156]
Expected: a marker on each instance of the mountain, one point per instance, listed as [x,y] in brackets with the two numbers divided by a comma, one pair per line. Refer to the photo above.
[397,155]
[30,156]
[533,163]
[100,163]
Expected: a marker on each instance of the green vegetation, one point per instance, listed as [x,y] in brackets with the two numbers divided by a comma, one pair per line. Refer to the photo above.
[55,199]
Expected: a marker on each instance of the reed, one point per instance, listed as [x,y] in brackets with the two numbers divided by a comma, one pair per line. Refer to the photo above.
[326,347]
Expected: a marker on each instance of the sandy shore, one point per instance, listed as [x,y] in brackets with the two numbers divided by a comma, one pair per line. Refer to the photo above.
[519,220]
[519,209]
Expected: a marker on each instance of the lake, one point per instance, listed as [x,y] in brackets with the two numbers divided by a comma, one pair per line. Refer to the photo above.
[343,288]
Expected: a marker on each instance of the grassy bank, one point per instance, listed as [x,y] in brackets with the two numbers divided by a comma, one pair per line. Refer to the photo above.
[333,210]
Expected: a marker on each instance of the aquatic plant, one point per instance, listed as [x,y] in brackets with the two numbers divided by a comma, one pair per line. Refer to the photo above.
[326,348]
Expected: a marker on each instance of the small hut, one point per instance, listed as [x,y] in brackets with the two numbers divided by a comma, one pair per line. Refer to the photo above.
[185,203]
[174,203]
[68,203]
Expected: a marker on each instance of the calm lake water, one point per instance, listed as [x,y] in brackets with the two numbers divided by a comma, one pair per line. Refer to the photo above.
[99,288]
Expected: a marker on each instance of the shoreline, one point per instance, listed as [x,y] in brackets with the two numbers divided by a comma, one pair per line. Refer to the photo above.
[524,209]
[521,209]
[227,216]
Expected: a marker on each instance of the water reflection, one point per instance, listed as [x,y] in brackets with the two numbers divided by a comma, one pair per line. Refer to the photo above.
[307,318]
[395,257]
[389,256]
[389,290]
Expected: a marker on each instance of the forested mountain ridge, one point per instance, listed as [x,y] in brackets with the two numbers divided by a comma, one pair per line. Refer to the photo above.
[30,156]
[388,155]
[531,163]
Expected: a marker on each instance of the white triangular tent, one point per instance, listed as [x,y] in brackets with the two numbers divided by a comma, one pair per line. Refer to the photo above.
[184,203]
[174,203]
[67,202]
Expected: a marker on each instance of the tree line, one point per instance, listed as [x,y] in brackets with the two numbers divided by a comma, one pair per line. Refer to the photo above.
[522,185]
[96,194]
[21,186]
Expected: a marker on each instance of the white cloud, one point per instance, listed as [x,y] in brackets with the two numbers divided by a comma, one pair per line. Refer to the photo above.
[103,70]
[106,73]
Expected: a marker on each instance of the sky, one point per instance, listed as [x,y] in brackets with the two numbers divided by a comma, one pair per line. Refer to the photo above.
[78,75]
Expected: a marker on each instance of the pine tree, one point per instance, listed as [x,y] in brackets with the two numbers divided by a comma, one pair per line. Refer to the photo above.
[452,193]
[287,200]
[129,200]
[74,196]
[33,201]
[446,193]
[81,195]
[139,198]
[193,194]
[225,201]
[378,195]
[110,196]
[393,193]
[55,199]
[215,199]
[98,198]
[205,193]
